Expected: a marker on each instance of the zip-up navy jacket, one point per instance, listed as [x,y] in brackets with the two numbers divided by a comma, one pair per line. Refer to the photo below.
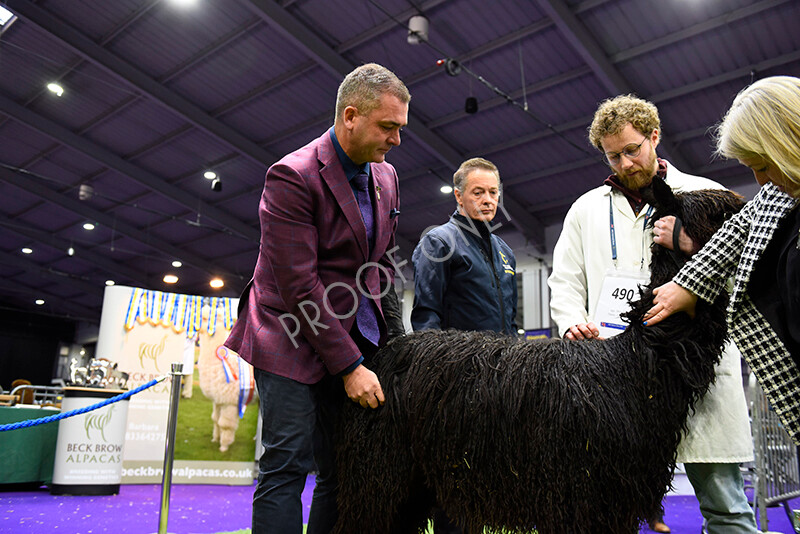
[464,278]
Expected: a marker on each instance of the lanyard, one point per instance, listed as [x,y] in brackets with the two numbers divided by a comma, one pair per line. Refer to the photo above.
[614,233]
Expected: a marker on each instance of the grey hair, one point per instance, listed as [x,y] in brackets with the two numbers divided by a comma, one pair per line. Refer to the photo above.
[365,85]
[460,176]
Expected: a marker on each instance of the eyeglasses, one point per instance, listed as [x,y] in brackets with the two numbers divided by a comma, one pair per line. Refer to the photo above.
[630,151]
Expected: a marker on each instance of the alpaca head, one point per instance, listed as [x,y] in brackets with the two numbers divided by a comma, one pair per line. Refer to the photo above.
[702,213]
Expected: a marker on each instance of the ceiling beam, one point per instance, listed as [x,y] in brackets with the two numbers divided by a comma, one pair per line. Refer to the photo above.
[83,255]
[697,29]
[52,302]
[66,137]
[81,208]
[487,48]
[130,75]
[581,40]
[79,284]
[296,33]
[564,77]
[387,25]
[527,92]
[742,73]
[586,46]
[306,66]
[306,40]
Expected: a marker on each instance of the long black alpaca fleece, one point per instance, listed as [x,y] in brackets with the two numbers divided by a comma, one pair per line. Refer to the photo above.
[560,436]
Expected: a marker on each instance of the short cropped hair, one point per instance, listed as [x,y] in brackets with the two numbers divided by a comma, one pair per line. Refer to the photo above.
[365,85]
[764,122]
[614,113]
[460,176]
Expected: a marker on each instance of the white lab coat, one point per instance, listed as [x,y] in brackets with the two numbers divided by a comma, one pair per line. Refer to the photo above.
[719,432]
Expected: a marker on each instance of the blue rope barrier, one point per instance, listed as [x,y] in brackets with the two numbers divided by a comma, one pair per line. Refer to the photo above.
[106,402]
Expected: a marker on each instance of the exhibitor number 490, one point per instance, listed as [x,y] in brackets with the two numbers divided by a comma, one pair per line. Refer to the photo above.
[623,294]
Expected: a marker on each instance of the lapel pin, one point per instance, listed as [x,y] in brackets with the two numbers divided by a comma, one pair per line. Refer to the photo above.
[378,192]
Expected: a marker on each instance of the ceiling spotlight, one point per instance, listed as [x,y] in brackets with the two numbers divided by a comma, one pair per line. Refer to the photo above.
[110,282]
[446,189]
[85,192]
[209,175]
[26,250]
[176,264]
[55,88]
[417,29]
[88,226]
[70,251]
[216,283]
[39,302]
[170,279]
[471,105]
[216,185]
[6,16]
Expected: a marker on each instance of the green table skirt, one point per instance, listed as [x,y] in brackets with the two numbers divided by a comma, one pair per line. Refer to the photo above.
[27,454]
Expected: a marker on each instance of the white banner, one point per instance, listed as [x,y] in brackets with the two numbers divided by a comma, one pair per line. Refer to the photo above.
[145,331]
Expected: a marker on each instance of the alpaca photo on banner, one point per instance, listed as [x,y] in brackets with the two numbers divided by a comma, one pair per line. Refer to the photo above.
[547,435]
[144,331]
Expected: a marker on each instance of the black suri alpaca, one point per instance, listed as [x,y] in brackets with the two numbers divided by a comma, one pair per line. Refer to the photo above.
[560,436]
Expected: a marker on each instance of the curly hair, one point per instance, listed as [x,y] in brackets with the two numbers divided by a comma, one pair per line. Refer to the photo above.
[614,113]
[764,122]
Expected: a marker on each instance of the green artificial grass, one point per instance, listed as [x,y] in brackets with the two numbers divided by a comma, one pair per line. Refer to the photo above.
[194,430]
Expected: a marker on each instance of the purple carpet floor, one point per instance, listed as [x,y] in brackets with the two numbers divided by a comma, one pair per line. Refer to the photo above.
[217,509]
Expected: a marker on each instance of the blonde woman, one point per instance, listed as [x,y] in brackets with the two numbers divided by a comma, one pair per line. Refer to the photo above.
[759,247]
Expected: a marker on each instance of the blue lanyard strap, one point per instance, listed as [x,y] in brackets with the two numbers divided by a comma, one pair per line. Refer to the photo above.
[611,229]
[613,232]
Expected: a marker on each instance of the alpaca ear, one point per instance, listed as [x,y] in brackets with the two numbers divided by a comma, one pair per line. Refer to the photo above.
[660,195]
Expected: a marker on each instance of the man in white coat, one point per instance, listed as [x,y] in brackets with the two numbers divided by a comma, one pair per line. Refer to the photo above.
[603,253]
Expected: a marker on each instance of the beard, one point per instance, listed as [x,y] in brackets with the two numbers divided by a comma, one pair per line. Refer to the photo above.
[636,179]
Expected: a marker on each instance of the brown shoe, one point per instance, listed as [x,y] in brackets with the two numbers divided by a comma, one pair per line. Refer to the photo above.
[659,526]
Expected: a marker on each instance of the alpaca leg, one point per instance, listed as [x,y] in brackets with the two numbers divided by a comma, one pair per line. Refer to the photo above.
[186,386]
[228,422]
[414,513]
[376,490]
[214,418]
[377,504]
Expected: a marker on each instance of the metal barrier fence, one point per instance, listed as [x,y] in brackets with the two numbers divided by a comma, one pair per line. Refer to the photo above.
[39,395]
[776,461]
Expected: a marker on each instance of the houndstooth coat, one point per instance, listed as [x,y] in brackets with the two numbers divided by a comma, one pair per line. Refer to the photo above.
[734,250]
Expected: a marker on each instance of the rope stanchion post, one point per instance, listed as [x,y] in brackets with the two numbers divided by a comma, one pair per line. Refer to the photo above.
[169,453]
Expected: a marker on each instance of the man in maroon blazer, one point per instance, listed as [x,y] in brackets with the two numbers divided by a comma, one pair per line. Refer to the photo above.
[311,316]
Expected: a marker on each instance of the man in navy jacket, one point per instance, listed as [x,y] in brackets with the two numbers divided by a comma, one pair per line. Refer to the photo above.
[464,275]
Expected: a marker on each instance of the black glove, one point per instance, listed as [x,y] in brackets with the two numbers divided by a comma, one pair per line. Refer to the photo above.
[393,314]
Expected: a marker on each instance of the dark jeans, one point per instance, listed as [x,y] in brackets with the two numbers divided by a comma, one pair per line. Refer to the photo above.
[298,426]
